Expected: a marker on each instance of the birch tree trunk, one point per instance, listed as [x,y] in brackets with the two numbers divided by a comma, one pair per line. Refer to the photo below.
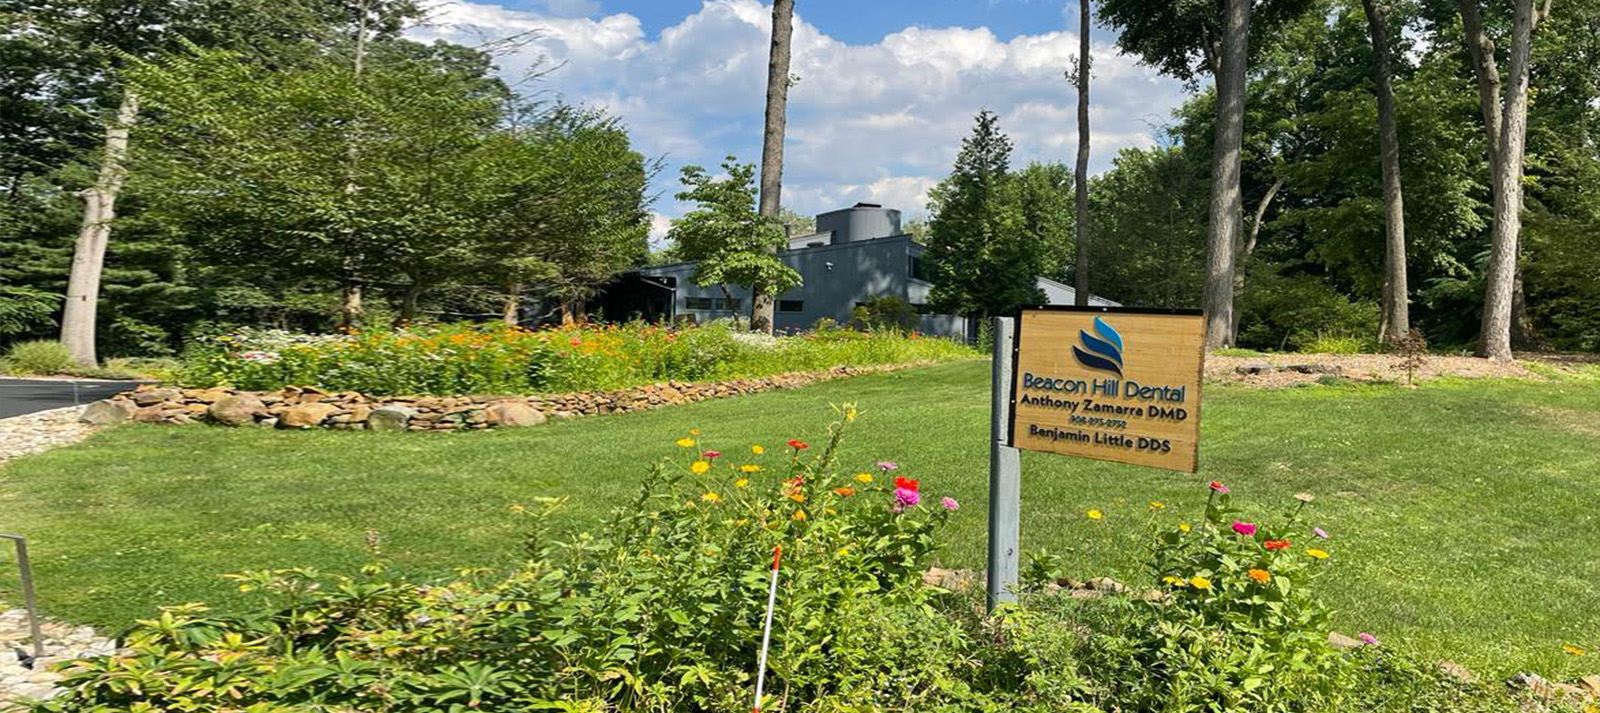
[510,310]
[1396,293]
[89,253]
[1500,288]
[1080,177]
[761,300]
[1226,205]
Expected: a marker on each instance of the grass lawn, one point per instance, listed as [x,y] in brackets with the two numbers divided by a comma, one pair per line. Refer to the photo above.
[1463,513]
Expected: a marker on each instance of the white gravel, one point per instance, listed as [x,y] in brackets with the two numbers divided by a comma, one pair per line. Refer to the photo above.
[62,642]
[38,432]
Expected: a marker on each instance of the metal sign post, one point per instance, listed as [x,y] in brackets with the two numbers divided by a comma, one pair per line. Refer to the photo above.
[27,593]
[1005,475]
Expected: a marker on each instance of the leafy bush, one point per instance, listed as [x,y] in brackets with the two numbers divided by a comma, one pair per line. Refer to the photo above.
[43,357]
[476,359]
[1281,312]
[885,313]
[23,309]
[1328,344]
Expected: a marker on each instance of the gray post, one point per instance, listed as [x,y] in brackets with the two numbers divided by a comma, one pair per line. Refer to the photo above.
[1005,476]
[27,592]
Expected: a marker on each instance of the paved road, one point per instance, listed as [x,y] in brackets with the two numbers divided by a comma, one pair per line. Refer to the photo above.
[20,396]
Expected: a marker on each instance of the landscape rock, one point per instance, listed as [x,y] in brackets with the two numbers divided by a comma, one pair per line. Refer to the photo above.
[306,415]
[512,414]
[1342,642]
[106,412]
[151,397]
[1457,672]
[1254,368]
[391,418]
[1314,368]
[240,410]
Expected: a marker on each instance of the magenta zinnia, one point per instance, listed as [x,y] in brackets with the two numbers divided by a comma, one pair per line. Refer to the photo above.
[1244,528]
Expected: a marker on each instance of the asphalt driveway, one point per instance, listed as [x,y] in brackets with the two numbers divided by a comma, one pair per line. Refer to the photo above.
[20,396]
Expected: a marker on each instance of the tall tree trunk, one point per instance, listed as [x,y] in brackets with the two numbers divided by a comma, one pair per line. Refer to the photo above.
[89,253]
[761,300]
[351,312]
[1396,293]
[1246,248]
[1500,288]
[510,310]
[409,304]
[1080,178]
[1226,205]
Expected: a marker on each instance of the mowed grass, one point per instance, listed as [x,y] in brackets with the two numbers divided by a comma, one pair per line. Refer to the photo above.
[1463,513]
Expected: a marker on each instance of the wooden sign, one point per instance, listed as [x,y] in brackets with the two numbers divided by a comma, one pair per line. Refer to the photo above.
[1109,383]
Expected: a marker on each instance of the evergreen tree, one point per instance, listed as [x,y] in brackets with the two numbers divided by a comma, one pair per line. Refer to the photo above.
[980,259]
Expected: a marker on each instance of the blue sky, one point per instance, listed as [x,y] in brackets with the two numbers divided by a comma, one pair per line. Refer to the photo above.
[887,88]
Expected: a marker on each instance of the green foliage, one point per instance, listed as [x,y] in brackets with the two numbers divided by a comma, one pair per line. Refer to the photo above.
[733,244]
[885,313]
[1281,312]
[1149,238]
[23,309]
[43,357]
[992,231]
[485,359]
[661,611]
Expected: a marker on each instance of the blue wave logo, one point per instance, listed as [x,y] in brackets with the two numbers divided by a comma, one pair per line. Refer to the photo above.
[1101,350]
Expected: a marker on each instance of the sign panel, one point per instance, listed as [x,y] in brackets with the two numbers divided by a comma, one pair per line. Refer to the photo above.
[1110,383]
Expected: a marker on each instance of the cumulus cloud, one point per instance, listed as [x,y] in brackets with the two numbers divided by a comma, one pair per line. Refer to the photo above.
[879,122]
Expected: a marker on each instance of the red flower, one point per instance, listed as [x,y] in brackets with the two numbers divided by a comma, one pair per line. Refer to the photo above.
[905,483]
[1217,486]
[798,444]
[1276,545]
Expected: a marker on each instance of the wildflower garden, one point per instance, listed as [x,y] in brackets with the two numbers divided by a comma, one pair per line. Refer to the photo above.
[620,563]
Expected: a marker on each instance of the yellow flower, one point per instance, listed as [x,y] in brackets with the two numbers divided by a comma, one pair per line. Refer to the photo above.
[850,414]
[1158,505]
[694,431]
[797,497]
[1573,650]
[685,442]
[749,468]
[843,551]
[864,477]
[711,498]
[1175,581]
[1319,554]
[741,482]
[1184,527]
[1260,575]
[700,467]
[1096,514]
[518,508]
[799,515]
[1200,582]
[758,450]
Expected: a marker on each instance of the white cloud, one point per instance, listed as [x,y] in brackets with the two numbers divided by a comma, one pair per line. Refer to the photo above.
[879,122]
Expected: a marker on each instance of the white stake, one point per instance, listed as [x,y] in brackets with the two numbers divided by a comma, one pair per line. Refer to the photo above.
[766,633]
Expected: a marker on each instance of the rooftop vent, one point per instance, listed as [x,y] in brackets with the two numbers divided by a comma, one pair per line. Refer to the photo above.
[868,205]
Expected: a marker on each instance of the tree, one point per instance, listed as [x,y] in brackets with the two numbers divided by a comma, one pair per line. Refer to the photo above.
[1151,240]
[1080,265]
[1396,295]
[1507,129]
[979,256]
[733,244]
[572,211]
[778,80]
[1173,36]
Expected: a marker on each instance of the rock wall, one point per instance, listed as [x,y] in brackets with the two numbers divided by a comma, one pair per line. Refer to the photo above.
[308,407]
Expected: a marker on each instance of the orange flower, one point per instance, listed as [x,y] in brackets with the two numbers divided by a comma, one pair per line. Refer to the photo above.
[1275,545]
[845,492]
[1260,575]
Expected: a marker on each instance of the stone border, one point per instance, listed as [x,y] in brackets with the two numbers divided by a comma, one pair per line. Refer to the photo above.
[303,407]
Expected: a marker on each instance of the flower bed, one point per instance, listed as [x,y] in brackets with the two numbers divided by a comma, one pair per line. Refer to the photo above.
[476,359]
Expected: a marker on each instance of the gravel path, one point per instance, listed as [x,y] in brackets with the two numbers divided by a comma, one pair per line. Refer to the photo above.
[39,432]
[62,642]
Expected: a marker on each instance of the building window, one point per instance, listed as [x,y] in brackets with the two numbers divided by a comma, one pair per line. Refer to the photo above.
[711,304]
[791,306]
[917,272]
[922,309]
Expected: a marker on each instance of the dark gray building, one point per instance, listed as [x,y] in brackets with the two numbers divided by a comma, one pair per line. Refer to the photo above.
[856,253]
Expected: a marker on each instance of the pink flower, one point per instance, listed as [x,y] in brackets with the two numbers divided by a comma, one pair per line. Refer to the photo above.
[1217,486]
[711,455]
[1367,639]
[1244,528]
[1320,533]
[887,465]
[906,498]
[950,504]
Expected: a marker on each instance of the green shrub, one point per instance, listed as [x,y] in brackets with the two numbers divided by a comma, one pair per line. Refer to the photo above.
[885,313]
[1329,344]
[1280,312]
[480,359]
[42,357]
